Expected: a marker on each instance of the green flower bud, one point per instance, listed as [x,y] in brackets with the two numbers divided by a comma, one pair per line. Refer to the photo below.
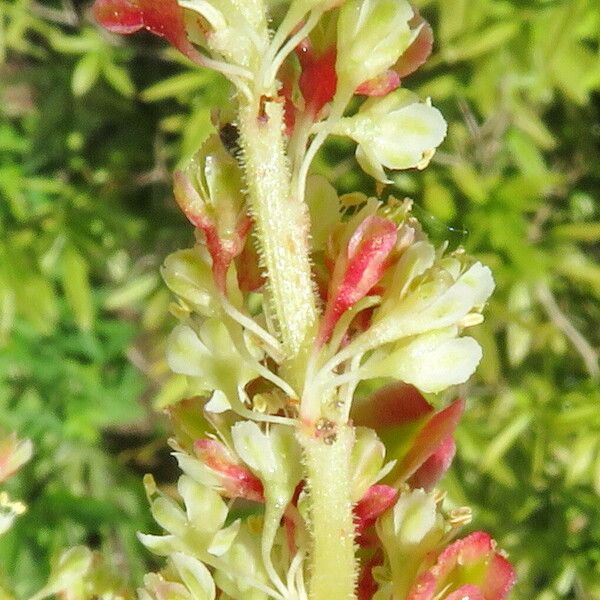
[396,131]
[190,277]
[209,355]
[372,34]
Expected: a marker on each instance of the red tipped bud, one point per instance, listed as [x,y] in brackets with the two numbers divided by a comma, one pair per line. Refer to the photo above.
[236,480]
[358,268]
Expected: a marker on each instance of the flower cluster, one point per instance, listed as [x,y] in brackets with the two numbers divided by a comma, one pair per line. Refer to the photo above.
[255,547]
[296,303]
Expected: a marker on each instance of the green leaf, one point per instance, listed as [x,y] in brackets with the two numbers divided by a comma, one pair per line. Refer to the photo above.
[132,292]
[579,232]
[77,289]
[85,74]
[119,79]
[176,85]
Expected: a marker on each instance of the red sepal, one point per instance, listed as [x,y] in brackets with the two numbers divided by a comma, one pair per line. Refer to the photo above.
[431,471]
[377,499]
[430,452]
[318,80]
[161,17]
[430,438]
[236,480]
[391,406]
[358,268]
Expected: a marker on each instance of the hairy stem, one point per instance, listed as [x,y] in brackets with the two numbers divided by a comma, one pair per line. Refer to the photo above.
[333,568]
[282,230]
[282,225]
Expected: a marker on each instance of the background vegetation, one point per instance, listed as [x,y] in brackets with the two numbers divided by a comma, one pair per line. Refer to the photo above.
[90,127]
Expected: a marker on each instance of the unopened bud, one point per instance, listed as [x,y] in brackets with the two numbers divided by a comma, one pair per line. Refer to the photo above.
[372,34]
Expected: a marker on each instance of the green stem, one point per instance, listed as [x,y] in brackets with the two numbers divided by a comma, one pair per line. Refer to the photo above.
[282,224]
[282,230]
[333,565]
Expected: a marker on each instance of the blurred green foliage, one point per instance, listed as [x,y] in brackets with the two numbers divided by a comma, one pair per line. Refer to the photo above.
[91,126]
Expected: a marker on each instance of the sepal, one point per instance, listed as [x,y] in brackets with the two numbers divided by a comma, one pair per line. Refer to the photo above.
[161,17]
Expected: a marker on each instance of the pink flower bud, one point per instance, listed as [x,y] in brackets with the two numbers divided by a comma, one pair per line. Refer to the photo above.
[374,503]
[474,555]
[358,268]
[237,480]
